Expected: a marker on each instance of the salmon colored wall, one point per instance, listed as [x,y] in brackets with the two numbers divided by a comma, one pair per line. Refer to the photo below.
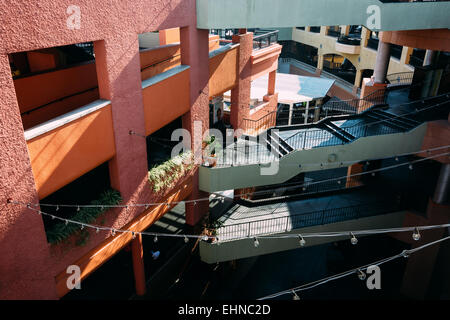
[223,73]
[214,42]
[169,36]
[165,101]
[40,89]
[42,60]
[157,60]
[435,39]
[66,153]
[265,60]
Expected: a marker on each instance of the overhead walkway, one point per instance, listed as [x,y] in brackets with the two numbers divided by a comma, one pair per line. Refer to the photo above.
[214,14]
[281,153]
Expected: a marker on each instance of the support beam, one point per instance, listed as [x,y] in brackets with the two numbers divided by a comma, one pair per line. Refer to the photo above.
[194,44]
[138,265]
[240,94]
[382,62]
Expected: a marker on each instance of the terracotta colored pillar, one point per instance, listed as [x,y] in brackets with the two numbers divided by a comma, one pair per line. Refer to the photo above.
[271,84]
[354,181]
[25,265]
[137,253]
[240,94]
[382,62]
[119,79]
[195,53]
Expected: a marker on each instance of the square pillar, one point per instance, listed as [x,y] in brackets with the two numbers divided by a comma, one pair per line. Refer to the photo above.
[26,268]
[240,94]
[195,53]
[119,80]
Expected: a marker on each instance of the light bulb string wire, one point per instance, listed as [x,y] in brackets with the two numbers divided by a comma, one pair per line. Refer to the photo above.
[311,285]
[208,237]
[294,186]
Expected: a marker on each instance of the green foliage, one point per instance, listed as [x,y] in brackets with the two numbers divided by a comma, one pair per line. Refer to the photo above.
[163,175]
[60,232]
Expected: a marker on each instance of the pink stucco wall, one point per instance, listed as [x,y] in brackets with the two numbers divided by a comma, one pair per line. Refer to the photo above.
[27,263]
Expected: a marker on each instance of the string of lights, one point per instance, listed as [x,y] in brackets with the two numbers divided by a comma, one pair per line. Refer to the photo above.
[416,231]
[358,271]
[222,197]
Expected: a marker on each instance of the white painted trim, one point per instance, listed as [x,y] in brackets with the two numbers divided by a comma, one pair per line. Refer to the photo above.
[65,119]
[163,76]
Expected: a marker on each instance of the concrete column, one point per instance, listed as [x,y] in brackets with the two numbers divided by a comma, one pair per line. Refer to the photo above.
[240,94]
[119,80]
[317,110]
[358,78]
[406,55]
[306,112]
[137,253]
[365,35]
[291,107]
[345,30]
[429,58]
[382,62]
[320,62]
[271,84]
[26,268]
[442,191]
[323,30]
[195,53]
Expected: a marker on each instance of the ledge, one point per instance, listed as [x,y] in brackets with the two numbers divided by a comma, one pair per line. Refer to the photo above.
[163,76]
[65,118]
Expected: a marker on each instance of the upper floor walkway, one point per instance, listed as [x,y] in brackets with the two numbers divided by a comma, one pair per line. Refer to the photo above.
[212,14]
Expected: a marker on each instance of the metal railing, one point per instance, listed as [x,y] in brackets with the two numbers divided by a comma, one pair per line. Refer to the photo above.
[400,78]
[349,40]
[254,127]
[265,40]
[333,33]
[294,221]
[357,105]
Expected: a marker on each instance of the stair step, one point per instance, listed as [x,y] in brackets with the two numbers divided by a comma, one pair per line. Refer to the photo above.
[341,131]
[335,133]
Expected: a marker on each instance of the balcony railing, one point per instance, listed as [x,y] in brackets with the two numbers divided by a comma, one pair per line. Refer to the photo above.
[265,40]
[254,127]
[306,219]
[333,33]
[352,41]
[400,79]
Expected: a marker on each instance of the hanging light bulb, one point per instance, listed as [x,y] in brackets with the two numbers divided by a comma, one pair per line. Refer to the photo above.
[416,234]
[301,241]
[133,235]
[66,221]
[222,200]
[155,239]
[78,208]
[410,167]
[396,158]
[186,239]
[57,208]
[255,242]
[205,238]
[373,174]
[361,275]
[113,232]
[82,226]
[97,230]
[295,296]
[304,188]
[339,181]
[353,240]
